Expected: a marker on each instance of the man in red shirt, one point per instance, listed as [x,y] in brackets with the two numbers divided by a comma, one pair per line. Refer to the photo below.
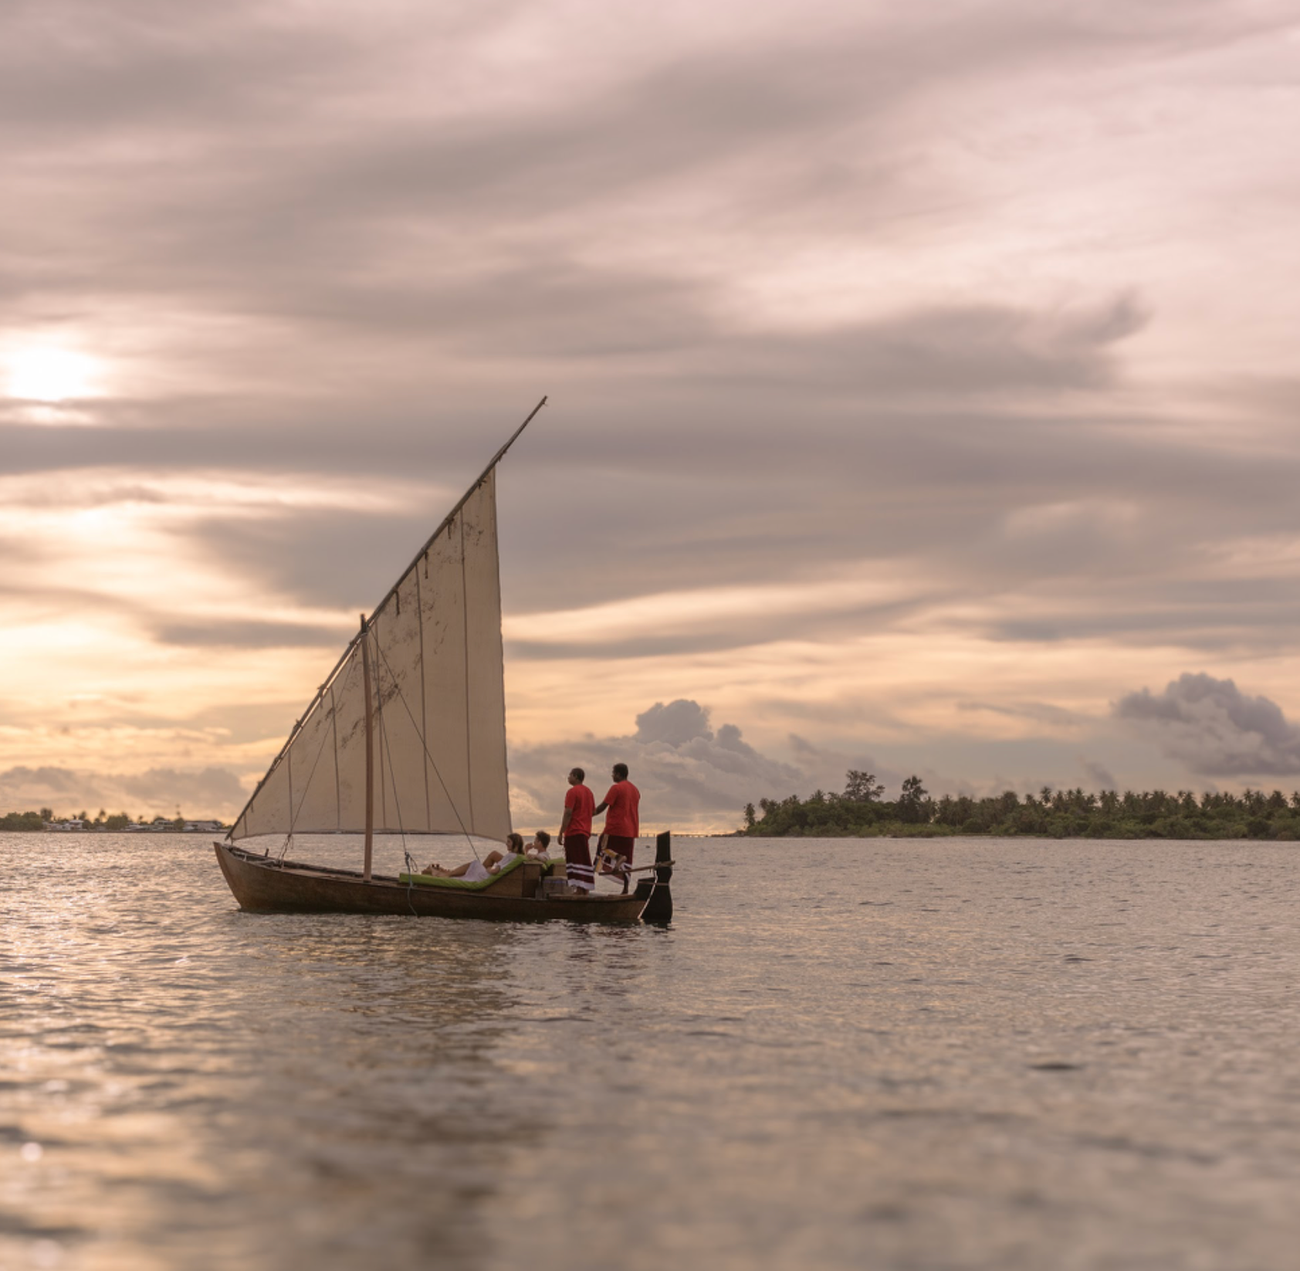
[622,821]
[575,832]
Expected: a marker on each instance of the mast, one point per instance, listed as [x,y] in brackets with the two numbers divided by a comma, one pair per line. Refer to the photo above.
[370,749]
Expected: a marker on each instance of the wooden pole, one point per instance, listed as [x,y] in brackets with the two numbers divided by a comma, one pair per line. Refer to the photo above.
[370,750]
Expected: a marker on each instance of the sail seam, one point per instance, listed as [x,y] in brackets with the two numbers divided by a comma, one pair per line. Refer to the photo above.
[496,557]
[311,776]
[379,740]
[465,498]
[451,803]
[338,785]
[464,611]
[328,683]
[292,817]
[424,689]
[383,735]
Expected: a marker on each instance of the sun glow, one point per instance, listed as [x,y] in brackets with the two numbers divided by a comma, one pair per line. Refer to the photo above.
[49,374]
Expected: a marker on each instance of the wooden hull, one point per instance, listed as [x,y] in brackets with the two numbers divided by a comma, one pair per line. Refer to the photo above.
[262,885]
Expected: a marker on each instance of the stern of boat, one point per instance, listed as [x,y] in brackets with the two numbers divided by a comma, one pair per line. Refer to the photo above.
[655,891]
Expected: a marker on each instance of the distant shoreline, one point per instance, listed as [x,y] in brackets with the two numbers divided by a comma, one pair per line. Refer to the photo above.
[860,812]
[36,823]
[945,832]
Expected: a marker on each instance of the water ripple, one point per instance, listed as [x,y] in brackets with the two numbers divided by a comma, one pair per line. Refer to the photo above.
[951,1073]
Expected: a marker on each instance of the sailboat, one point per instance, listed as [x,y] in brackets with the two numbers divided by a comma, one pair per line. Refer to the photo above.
[407,737]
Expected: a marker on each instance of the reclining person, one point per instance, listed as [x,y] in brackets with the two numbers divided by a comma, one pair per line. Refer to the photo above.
[475,871]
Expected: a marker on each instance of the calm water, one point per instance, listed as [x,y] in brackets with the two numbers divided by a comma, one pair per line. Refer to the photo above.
[961,1053]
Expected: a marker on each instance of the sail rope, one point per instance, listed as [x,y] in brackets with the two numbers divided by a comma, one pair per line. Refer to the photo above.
[293,734]
[320,750]
[392,774]
[401,697]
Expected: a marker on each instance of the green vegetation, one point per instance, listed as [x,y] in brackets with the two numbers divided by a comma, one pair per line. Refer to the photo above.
[117,821]
[860,811]
[22,821]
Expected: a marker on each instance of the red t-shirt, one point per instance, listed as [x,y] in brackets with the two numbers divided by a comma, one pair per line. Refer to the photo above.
[581,803]
[621,817]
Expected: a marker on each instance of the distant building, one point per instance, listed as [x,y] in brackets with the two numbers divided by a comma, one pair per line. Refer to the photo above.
[157,826]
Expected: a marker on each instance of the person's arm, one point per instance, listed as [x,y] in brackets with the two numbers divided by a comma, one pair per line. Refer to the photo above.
[600,807]
[564,821]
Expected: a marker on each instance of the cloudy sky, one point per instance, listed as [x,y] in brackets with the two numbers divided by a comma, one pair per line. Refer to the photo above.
[922,382]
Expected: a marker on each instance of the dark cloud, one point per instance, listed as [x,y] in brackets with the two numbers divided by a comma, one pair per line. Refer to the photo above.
[268,173]
[676,724]
[235,633]
[1099,776]
[960,350]
[1117,536]
[328,557]
[131,66]
[1036,712]
[271,179]
[59,782]
[175,627]
[202,792]
[688,772]
[357,263]
[1215,728]
[206,787]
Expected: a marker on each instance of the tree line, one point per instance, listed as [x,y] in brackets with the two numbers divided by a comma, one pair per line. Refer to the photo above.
[861,810]
[102,821]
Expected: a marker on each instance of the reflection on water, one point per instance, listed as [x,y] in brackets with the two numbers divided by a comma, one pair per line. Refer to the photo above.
[952,1054]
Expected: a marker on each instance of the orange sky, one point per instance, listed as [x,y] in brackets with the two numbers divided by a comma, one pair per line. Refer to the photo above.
[921,386]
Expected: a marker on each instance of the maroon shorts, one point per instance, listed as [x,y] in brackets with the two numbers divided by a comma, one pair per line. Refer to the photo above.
[623,846]
[577,856]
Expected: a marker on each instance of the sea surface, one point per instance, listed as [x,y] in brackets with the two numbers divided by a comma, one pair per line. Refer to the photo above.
[958,1053]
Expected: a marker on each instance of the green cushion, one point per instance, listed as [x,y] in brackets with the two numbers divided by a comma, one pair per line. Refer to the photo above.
[464,884]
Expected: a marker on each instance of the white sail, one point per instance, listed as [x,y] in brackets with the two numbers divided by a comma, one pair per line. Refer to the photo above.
[438,735]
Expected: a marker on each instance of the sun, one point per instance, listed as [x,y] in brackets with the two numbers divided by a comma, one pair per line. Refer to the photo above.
[49,374]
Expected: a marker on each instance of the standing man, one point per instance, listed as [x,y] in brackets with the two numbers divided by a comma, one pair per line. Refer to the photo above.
[575,832]
[622,821]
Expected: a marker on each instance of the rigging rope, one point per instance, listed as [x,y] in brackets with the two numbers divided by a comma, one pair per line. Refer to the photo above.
[397,689]
[397,802]
[320,750]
